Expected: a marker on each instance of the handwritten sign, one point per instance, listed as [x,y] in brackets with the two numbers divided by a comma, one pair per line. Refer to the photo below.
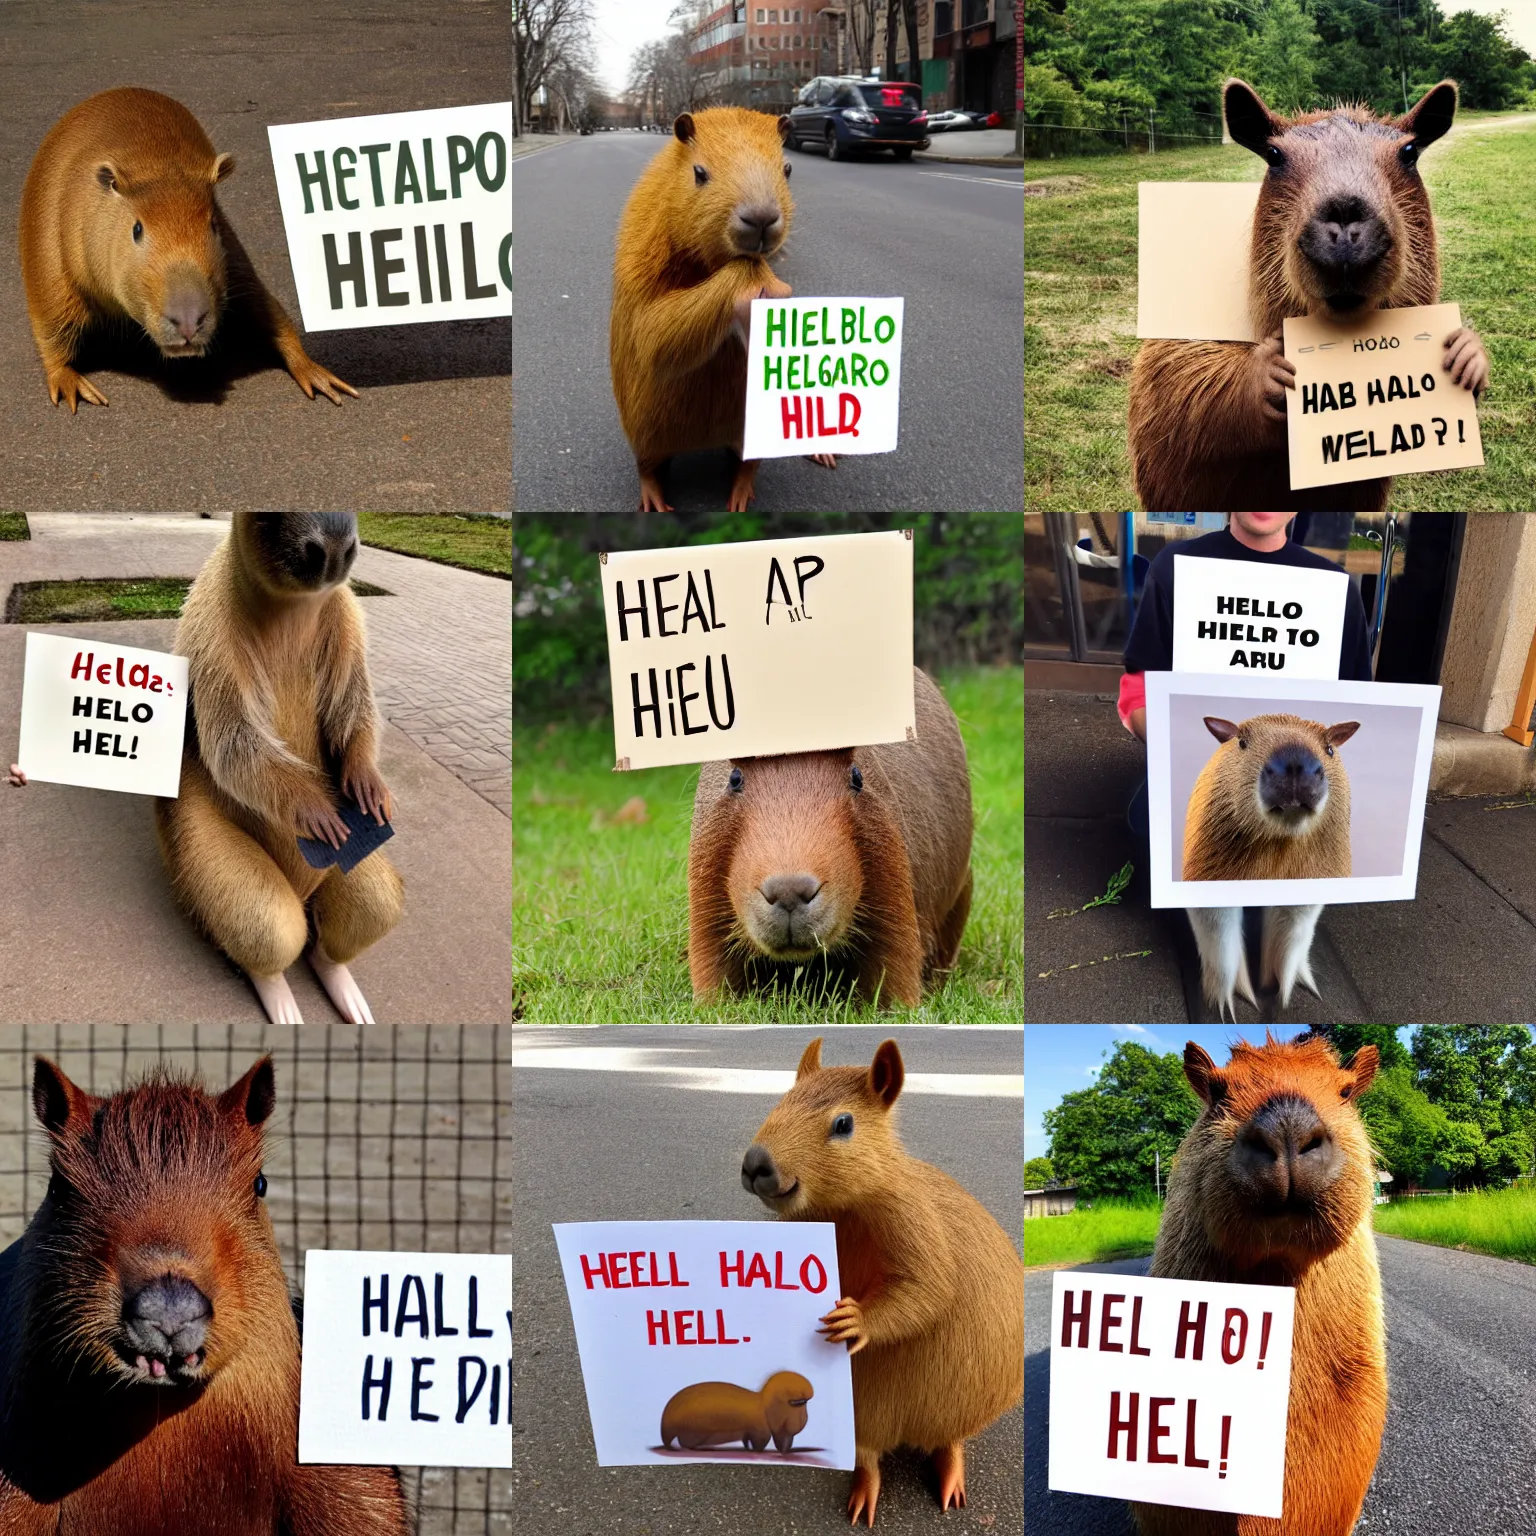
[400,218]
[1170,1391]
[1194,286]
[102,716]
[698,1341]
[823,376]
[1239,616]
[407,1359]
[775,645]
[1374,398]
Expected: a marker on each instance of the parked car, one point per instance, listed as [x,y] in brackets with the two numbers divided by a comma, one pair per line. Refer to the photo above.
[962,121]
[850,114]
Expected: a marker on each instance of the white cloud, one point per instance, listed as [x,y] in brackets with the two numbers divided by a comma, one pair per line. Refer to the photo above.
[1138,1032]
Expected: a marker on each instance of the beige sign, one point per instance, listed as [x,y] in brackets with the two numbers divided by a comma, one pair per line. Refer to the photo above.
[1374,397]
[745,650]
[1192,259]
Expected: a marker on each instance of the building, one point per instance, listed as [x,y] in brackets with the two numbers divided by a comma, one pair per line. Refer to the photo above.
[967,53]
[1050,1202]
[760,55]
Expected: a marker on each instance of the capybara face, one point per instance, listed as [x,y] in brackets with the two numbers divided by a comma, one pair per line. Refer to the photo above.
[154,1218]
[165,253]
[786,1393]
[1291,767]
[296,552]
[737,182]
[1281,1160]
[1343,222]
[828,1143]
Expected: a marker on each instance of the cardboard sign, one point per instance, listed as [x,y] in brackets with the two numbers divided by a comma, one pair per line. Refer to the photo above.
[823,376]
[1170,1391]
[1237,616]
[400,218]
[1374,398]
[775,645]
[407,1359]
[698,1341]
[102,716]
[1194,241]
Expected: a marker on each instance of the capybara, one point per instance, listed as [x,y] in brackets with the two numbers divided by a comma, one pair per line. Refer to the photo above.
[149,1357]
[119,221]
[282,715]
[1272,1186]
[718,1413]
[861,856]
[932,1309]
[700,227]
[1343,224]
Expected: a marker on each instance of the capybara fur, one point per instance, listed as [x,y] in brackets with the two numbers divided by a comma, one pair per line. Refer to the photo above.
[1272,803]
[282,716]
[120,222]
[1343,225]
[1273,1186]
[718,1413]
[700,227]
[858,860]
[932,1304]
[149,1356]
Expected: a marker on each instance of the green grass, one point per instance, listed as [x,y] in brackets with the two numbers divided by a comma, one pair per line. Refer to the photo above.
[1080,313]
[475,542]
[99,598]
[1497,1221]
[13,525]
[600,908]
[1113,1229]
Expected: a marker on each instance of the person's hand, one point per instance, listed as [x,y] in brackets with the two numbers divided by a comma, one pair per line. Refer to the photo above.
[1138,725]
[17,777]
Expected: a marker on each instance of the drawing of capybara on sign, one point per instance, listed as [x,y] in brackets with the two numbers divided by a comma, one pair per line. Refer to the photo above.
[711,1413]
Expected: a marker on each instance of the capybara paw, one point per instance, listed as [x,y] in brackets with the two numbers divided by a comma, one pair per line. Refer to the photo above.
[71,387]
[311,377]
[743,489]
[826,460]
[863,1496]
[1273,374]
[844,1324]
[368,789]
[651,499]
[16,777]
[340,987]
[322,824]
[949,1464]
[1467,359]
[277,998]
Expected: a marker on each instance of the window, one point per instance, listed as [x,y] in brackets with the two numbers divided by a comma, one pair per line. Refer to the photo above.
[773,18]
[762,15]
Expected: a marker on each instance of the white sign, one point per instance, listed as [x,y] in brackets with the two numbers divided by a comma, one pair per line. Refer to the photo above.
[1170,1391]
[1239,616]
[400,218]
[102,716]
[699,1341]
[774,645]
[823,376]
[407,1359]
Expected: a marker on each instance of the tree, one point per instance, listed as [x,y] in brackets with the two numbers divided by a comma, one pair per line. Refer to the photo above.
[547,35]
[1475,53]
[1484,1078]
[1038,1173]
[1406,1129]
[1346,1039]
[1280,58]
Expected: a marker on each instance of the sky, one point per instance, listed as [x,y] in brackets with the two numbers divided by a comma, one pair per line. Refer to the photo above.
[621,26]
[1519,18]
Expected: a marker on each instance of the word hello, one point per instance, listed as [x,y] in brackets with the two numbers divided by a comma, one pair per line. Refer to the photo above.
[1258,608]
[1362,445]
[1321,397]
[486,156]
[385,267]
[137,676]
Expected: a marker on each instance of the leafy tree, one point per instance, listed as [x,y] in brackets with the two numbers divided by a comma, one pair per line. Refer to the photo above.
[1460,1151]
[1484,1078]
[1038,1172]
[1473,50]
[1346,1039]
[1406,1129]
[1281,57]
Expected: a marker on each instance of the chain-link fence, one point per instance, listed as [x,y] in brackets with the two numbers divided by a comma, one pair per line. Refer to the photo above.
[382,1138]
[1117,130]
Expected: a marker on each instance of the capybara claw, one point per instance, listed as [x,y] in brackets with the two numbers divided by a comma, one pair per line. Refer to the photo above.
[862,1497]
[72,388]
[313,378]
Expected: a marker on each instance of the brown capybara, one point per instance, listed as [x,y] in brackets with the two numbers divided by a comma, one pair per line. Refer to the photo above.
[700,227]
[860,858]
[119,221]
[1343,225]
[718,1413]
[932,1309]
[149,1358]
[1273,1186]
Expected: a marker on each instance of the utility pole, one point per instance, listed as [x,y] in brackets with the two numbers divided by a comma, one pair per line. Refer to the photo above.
[1401,68]
[1157,1160]
[1151,130]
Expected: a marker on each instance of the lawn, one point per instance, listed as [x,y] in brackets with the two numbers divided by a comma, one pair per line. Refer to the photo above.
[110,597]
[600,901]
[13,525]
[1113,1229]
[1080,312]
[474,543]
[1497,1221]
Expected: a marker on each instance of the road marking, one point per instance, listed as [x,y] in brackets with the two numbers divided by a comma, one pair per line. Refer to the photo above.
[990,181]
[774,1083]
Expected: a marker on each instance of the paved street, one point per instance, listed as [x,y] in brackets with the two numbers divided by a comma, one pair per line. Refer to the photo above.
[949,238]
[430,429]
[1461,1338]
[603,1135]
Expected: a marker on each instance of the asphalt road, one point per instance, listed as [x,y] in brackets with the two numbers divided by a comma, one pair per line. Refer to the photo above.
[429,432]
[606,1140]
[1461,1342]
[948,238]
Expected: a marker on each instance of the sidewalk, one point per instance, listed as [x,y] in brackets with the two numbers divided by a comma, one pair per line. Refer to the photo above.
[1464,951]
[977,146]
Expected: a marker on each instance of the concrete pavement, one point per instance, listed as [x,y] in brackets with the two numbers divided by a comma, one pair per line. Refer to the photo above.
[979,146]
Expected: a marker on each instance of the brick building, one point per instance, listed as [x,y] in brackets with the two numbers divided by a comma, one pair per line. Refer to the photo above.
[760,55]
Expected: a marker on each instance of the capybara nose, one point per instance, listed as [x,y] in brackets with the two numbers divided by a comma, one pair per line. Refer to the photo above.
[758,223]
[186,320]
[1293,779]
[167,1318]
[1345,235]
[1286,1152]
[759,1172]
[790,892]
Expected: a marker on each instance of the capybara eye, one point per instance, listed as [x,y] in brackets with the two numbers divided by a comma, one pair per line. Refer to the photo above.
[700,175]
[1242,744]
[843,1126]
[735,781]
[261,1186]
[787,169]
[1409,154]
[1274,154]
[855,779]
[138,231]
[1329,751]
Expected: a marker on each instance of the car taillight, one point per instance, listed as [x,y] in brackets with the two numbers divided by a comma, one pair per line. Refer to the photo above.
[921,120]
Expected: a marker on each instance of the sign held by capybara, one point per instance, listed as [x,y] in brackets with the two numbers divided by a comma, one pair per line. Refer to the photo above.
[767,646]
[699,1341]
[1170,1391]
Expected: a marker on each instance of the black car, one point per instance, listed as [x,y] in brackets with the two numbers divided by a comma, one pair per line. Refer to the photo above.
[846,113]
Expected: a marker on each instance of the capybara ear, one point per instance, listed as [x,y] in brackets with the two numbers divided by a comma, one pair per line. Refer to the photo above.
[1203,1075]
[886,1073]
[810,1060]
[1363,1065]
[1337,735]
[784,130]
[1222,730]
[55,1099]
[683,127]
[107,177]
[252,1098]
[223,168]
[1249,121]
[1432,114]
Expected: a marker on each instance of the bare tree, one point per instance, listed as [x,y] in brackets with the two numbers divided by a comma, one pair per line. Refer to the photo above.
[665,79]
[863,19]
[547,36]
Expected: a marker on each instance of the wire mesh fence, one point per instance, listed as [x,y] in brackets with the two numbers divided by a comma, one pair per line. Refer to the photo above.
[1118,131]
[381,1139]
